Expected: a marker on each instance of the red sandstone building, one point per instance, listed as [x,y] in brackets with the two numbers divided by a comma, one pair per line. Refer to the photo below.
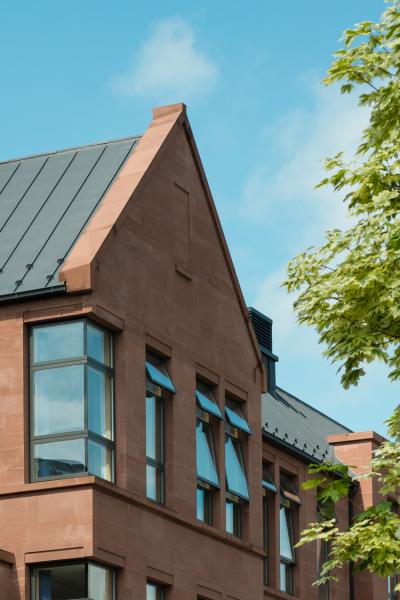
[146,451]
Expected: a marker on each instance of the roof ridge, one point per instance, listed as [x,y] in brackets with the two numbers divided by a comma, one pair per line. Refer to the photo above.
[71,149]
[314,409]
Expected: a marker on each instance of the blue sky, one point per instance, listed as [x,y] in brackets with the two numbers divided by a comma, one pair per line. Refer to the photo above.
[80,72]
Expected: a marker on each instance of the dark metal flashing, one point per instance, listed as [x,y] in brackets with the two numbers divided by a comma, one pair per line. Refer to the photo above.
[53,291]
[290,449]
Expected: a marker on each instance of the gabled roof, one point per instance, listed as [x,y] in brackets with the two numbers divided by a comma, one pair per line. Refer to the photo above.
[45,202]
[300,427]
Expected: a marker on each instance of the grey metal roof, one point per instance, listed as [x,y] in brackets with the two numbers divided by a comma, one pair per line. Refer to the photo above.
[45,202]
[297,425]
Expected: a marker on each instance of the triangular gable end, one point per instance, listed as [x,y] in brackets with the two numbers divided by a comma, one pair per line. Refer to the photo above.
[78,271]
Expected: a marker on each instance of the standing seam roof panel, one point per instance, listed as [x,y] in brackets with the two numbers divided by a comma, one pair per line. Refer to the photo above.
[45,203]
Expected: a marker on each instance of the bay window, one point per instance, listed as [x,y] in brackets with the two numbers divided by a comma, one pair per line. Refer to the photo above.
[72,403]
[72,581]
[159,387]
[207,473]
[237,492]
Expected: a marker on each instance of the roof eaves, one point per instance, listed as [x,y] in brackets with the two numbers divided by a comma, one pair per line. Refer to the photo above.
[54,290]
[292,448]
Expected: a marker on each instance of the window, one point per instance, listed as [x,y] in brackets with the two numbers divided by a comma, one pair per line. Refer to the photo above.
[154,591]
[207,474]
[391,584]
[236,432]
[158,388]
[72,581]
[233,516]
[288,505]
[325,510]
[269,491]
[72,404]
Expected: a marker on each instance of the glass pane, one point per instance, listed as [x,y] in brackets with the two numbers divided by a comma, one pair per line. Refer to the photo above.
[154,483]
[100,403]
[208,404]
[200,499]
[230,520]
[232,517]
[282,573]
[58,342]
[59,458]
[99,344]
[154,428]
[205,462]
[65,582]
[237,419]
[286,550]
[100,583]
[159,376]
[100,460]
[58,400]
[154,592]
[267,479]
[235,477]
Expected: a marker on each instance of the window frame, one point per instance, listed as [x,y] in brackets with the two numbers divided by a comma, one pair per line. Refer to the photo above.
[233,434]
[160,589]
[158,464]
[237,529]
[86,434]
[207,491]
[34,569]
[269,492]
[209,414]
[289,507]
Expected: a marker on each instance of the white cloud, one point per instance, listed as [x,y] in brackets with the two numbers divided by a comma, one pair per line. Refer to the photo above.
[292,163]
[168,66]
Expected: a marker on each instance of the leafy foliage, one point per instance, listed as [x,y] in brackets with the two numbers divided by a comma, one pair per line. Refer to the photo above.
[349,287]
[372,541]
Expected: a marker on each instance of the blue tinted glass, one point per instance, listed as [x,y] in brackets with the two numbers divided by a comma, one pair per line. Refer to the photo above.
[236,419]
[100,460]
[286,550]
[200,504]
[230,517]
[99,399]
[235,477]
[58,400]
[58,342]
[59,458]
[66,582]
[208,405]
[151,427]
[100,582]
[153,592]
[205,462]
[45,585]
[159,378]
[151,482]
[269,486]
[99,344]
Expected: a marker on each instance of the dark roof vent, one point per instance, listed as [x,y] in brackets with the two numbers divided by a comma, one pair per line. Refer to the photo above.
[263,329]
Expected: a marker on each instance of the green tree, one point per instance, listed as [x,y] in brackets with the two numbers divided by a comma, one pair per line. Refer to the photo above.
[348,288]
